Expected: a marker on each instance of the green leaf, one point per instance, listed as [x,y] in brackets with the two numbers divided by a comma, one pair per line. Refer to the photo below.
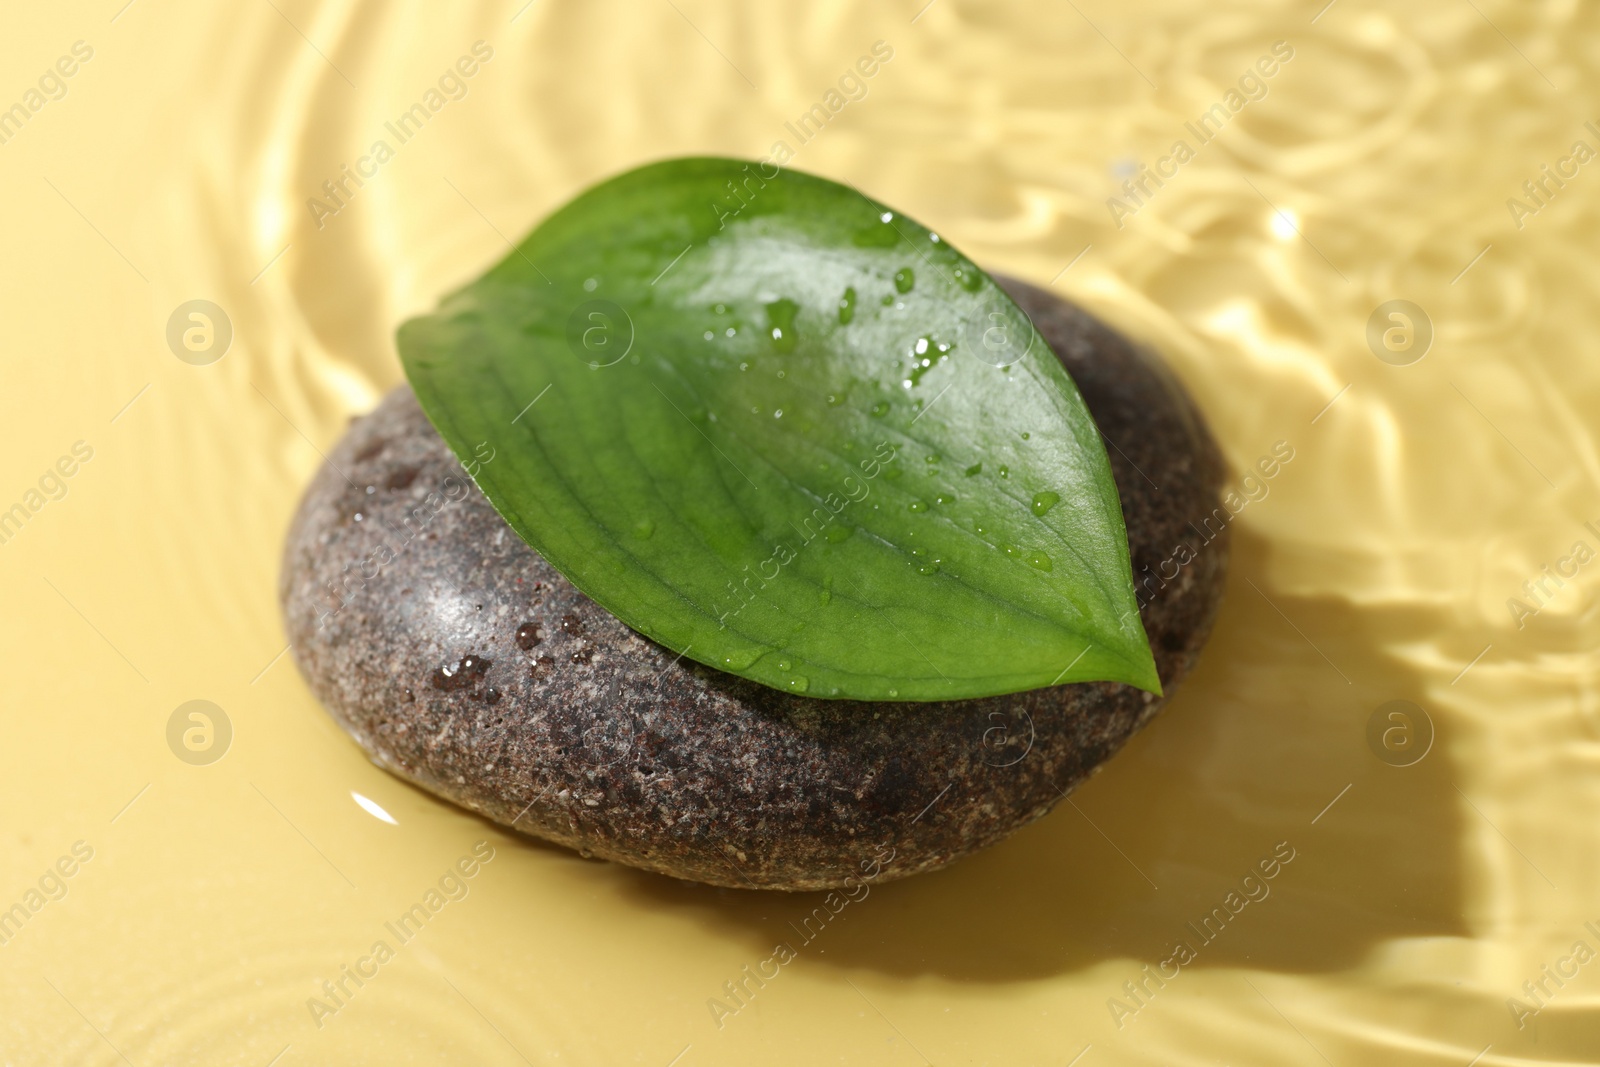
[791,434]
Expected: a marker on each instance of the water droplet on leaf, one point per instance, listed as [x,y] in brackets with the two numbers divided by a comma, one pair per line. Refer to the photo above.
[780,320]
[1043,502]
[880,235]
[741,658]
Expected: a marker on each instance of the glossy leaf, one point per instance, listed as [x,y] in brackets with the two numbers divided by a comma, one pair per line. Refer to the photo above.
[791,434]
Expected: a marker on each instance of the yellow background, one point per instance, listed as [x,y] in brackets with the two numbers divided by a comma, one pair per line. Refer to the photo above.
[1377,167]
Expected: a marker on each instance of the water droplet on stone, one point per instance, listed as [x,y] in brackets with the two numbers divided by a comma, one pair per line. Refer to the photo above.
[463,674]
[571,624]
[528,636]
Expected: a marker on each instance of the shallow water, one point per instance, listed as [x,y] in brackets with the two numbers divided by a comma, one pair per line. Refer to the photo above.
[1375,566]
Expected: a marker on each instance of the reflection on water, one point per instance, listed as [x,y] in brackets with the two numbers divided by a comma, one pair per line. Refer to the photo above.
[1384,563]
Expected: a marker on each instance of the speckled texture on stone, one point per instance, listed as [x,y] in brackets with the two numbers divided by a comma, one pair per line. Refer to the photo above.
[464,663]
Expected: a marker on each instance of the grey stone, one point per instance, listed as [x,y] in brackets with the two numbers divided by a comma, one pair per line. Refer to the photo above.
[461,661]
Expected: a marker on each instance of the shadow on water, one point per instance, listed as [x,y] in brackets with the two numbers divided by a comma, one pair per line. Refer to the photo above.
[1267,732]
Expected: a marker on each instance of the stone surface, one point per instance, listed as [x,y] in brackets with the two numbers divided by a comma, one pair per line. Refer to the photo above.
[464,663]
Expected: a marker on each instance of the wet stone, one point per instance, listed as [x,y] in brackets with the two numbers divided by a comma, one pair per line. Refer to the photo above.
[461,661]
